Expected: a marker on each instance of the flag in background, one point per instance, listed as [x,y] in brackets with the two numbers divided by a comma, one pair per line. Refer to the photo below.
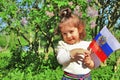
[104,44]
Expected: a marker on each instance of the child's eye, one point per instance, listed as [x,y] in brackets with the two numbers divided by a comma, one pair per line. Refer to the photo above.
[64,33]
[71,31]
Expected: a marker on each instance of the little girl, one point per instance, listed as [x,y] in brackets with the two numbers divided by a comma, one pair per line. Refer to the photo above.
[72,52]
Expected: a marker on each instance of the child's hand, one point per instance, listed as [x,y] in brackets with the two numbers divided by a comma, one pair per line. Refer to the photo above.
[82,55]
[88,61]
[78,57]
[77,54]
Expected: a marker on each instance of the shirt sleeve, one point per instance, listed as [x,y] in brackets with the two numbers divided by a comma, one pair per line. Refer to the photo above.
[63,55]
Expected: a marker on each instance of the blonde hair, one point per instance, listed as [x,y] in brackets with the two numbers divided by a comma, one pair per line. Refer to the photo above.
[68,18]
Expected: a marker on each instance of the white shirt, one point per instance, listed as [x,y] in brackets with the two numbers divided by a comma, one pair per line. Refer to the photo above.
[63,57]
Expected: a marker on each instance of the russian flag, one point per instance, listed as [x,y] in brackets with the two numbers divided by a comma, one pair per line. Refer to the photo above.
[104,44]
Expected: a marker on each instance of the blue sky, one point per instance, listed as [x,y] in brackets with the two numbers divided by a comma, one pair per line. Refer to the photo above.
[2,24]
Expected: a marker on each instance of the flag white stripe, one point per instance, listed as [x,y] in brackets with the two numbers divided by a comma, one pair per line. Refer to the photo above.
[111,40]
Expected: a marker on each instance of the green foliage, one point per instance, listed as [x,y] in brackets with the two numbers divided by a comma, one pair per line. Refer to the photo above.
[103,73]
[31,61]
[28,75]
[36,26]
[4,58]
[116,32]
[3,41]
[28,67]
[49,69]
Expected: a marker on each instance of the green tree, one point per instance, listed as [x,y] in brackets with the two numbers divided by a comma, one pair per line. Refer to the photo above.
[109,14]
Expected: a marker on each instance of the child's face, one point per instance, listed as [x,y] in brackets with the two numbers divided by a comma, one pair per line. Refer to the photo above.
[70,34]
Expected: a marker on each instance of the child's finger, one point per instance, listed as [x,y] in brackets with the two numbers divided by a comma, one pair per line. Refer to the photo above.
[87,52]
[86,55]
[81,57]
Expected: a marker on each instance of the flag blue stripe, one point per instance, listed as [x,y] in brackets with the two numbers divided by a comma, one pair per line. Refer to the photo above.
[105,47]
[97,36]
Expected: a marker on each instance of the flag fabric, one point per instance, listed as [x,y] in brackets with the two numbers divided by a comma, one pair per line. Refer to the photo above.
[104,44]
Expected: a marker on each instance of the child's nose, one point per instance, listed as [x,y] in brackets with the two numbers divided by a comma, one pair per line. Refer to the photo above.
[68,35]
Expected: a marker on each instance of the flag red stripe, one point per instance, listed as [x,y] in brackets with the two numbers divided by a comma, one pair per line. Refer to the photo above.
[98,51]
